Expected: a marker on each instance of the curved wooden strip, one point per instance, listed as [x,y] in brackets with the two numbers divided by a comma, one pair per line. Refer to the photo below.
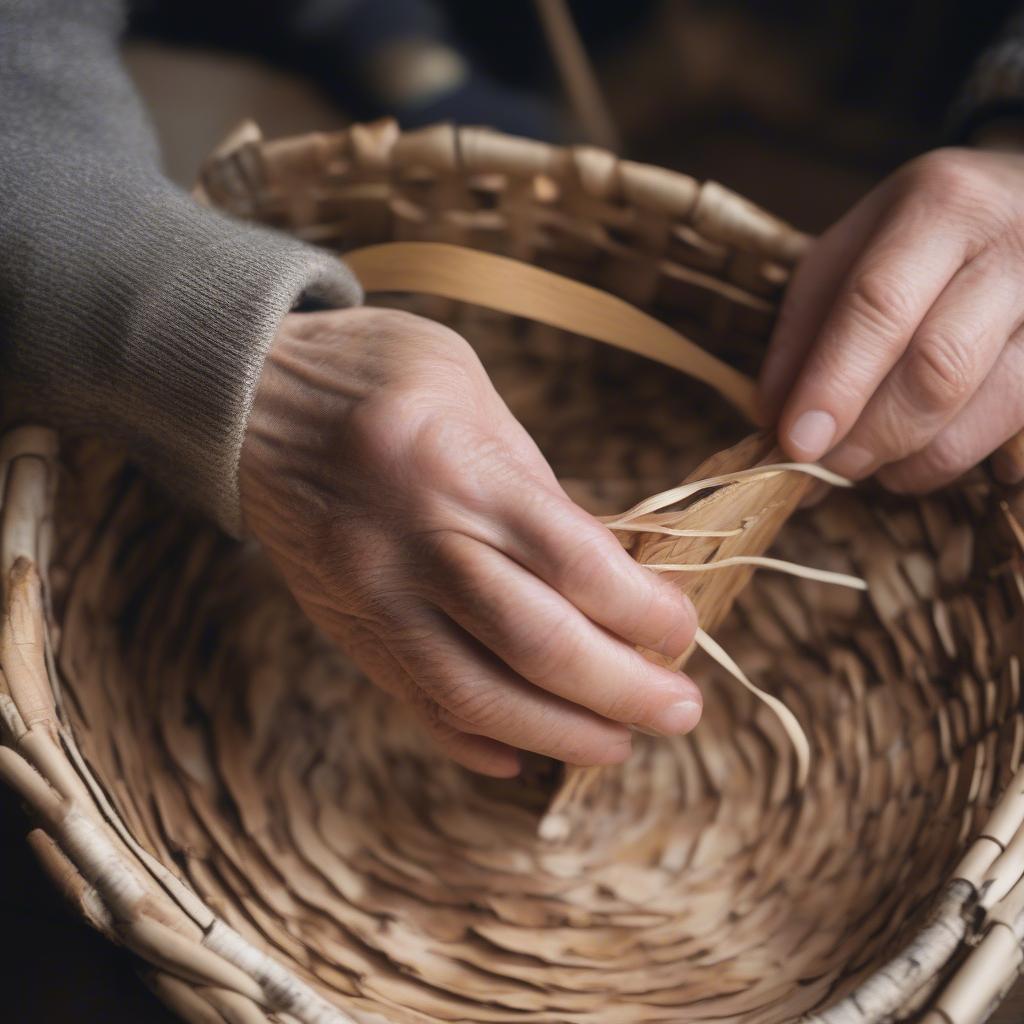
[510,286]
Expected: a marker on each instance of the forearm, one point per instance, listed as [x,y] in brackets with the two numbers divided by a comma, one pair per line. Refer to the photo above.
[126,307]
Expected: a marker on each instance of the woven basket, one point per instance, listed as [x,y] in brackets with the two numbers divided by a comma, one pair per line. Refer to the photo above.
[214,787]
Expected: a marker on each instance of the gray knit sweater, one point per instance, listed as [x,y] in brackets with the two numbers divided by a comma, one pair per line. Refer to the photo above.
[123,305]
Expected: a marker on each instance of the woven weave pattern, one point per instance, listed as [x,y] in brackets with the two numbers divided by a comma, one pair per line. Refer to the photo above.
[216,788]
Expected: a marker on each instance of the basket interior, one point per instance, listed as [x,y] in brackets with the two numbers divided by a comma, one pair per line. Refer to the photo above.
[310,812]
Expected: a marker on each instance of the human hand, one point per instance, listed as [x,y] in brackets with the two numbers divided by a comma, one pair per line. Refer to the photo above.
[899,347]
[420,528]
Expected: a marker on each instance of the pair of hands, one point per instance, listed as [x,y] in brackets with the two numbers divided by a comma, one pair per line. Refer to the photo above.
[422,530]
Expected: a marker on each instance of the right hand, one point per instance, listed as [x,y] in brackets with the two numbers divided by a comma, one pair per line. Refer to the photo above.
[421,529]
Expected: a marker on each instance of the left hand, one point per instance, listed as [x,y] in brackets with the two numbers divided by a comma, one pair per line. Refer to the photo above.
[899,348]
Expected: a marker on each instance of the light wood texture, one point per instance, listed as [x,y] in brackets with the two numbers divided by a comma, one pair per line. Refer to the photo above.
[516,288]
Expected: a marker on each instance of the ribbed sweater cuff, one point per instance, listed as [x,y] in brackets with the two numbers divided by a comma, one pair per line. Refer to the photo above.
[148,319]
[205,335]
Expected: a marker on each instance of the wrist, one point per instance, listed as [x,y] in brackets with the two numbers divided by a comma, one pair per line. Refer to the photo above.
[319,366]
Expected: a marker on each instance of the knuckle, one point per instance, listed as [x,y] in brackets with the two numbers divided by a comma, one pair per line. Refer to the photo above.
[436,448]
[664,610]
[940,371]
[945,175]
[628,701]
[428,711]
[881,299]
[550,652]
[463,465]
[581,567]
[373,595]
[449,569]
[645,620]
[640,690]
[447,552]
[360,639]
[441,725]
[890,434]
[945,459]
[386,424]
[464,703]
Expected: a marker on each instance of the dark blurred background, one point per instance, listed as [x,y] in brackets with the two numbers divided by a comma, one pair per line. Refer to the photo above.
[801,105]
[765,95]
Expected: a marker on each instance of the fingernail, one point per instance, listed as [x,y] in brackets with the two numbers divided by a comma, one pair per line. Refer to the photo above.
[812,433]
[678,718]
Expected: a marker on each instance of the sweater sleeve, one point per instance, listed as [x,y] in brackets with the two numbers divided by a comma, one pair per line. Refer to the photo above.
[125,307]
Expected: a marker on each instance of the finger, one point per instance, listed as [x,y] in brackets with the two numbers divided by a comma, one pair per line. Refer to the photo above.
[477,753]
[581,559]
[950,355]
[992,416]
[547,641]
[808,298]
[480,696]
[879,306]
